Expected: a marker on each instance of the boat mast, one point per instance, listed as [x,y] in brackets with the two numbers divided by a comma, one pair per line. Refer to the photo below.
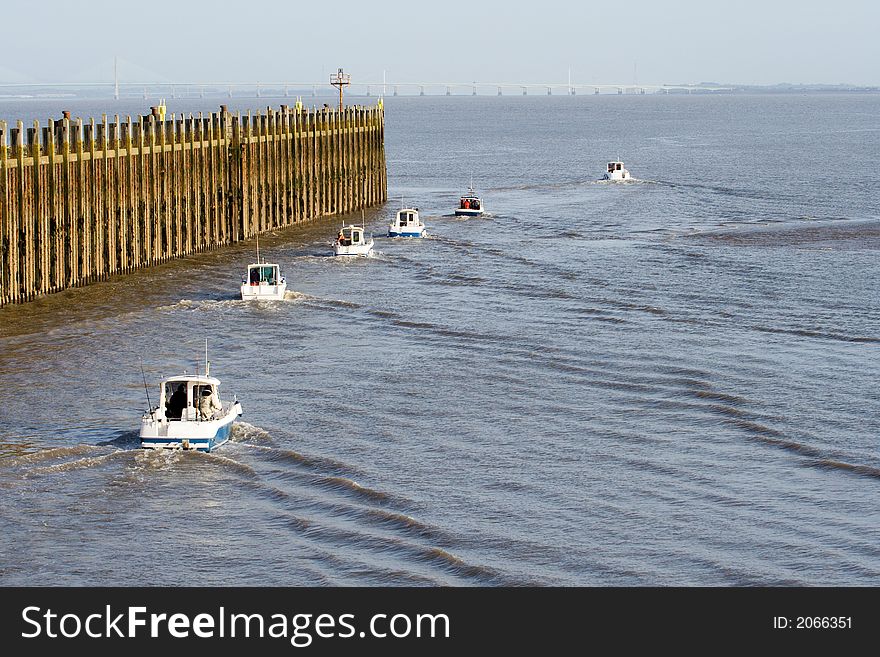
[258,248]
[207,362]
[146,390]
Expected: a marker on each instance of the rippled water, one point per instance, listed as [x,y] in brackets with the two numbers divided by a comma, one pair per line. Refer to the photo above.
[669,381]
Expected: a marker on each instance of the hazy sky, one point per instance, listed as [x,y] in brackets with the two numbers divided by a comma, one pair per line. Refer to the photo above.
[671,41]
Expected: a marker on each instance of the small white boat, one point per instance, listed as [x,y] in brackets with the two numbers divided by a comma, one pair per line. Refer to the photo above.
[407,224]
[190,415]
[616,171]
[352,241]
[470,205]
[263,281]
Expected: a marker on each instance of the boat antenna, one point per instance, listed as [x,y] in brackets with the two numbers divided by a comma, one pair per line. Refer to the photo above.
[258,248]
[147,389]
[363,221]
[207,362]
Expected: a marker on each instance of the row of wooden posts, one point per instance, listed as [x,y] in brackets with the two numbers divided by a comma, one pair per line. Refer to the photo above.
[80,201]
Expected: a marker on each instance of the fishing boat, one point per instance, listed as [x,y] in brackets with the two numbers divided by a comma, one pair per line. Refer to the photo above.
[352,241]
[407,224]
[263,281]
[616,171]
[189,415]
[470,205]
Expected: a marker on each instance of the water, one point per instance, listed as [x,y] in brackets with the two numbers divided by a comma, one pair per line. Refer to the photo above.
[671,381]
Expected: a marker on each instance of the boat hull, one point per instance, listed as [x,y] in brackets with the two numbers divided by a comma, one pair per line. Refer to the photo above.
[263,292]
[462,212]
[352,251]
[617,176]
[192,435]
[394,232]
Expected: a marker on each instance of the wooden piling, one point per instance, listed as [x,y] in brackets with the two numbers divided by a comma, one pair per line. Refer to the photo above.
[5,226]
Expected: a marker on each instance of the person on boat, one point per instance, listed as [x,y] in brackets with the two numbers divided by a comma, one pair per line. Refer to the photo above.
[176,403]
[475,204]
[466,204]
[208,403]
[255,276]
[341,240]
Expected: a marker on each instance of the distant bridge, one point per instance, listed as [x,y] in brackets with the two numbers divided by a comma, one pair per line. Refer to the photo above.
[272,89]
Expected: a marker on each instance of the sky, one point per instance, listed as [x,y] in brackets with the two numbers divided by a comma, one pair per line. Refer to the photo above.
[610,42]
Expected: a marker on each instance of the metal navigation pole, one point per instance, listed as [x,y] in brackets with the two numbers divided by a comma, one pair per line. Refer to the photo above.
[340,80]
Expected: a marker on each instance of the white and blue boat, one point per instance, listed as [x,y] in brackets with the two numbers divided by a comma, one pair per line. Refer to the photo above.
[407,224]
[190,415]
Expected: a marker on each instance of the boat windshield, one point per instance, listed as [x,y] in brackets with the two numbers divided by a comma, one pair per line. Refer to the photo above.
[267,274]
[190,400]
[349,235]
[176,399]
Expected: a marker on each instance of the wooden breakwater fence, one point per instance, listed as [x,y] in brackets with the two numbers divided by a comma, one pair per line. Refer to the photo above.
[80,201]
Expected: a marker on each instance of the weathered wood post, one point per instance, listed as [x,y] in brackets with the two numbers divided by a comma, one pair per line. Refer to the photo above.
[69,242]
[204,197]
[81,272]
[89,221]
[236,207]
[38,214]
[298,189]
[5,269]
[275,170]
[5,237]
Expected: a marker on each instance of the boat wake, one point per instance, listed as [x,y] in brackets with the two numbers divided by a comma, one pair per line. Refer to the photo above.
[832,233]
[293,295]
[49,454]
[354,261]
[244,432]
[324,504]
[628,181]
[210,305]
[76,464]
[158,459]
[125,440]
[485,215]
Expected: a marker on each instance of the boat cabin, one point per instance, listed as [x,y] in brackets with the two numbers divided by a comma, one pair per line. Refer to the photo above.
[615,166]
[351,236]
[408,217]
[469,203]
[190,398]
[263,274]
